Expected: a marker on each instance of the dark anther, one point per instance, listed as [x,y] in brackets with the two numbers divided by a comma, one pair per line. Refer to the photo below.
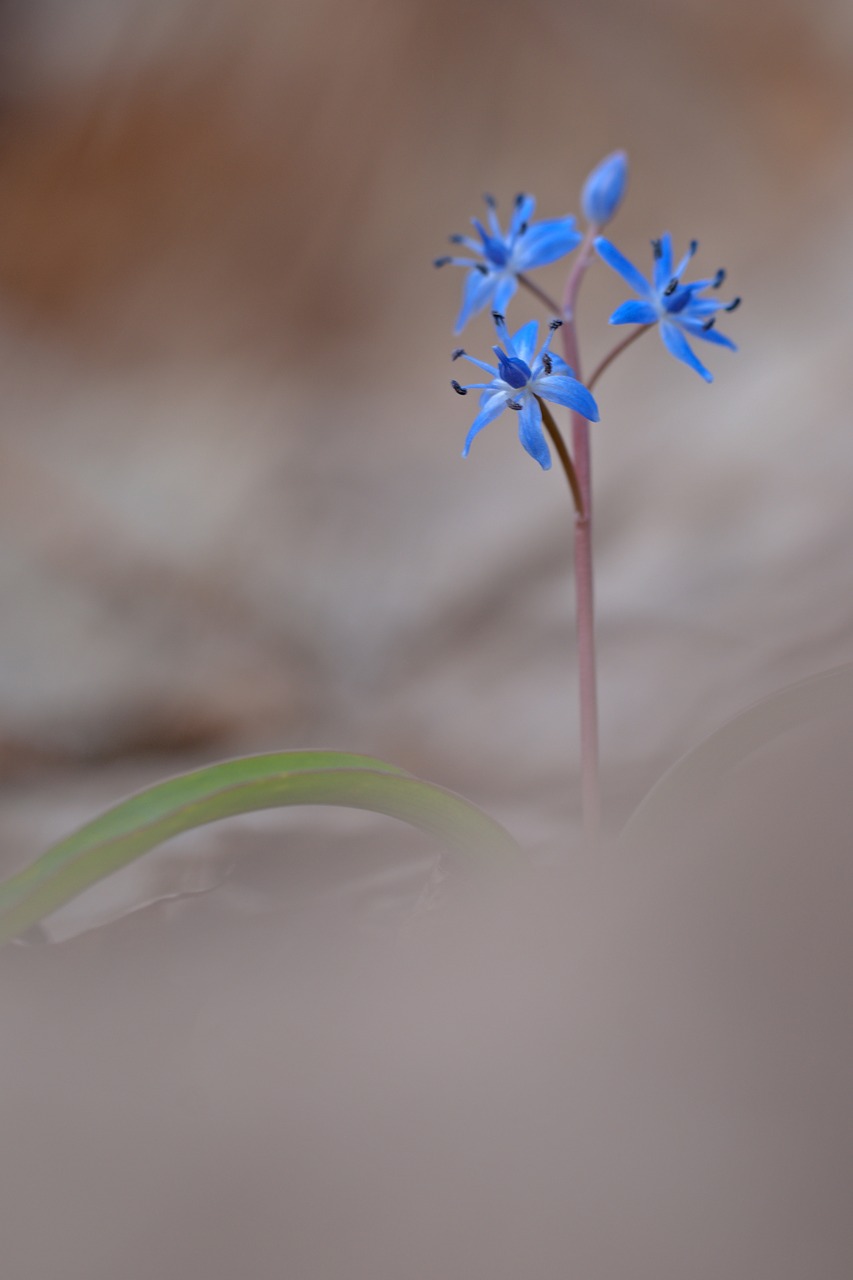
[456,239]
[555,324]
[490,200]
[514,404]
[547,363]
[671,287]
[709,324]
[522,230]
[498,318]
[694,245]
[483,270]
[657,248]
[460,391]
[733,305]
[457,352]
[441,262]
[519,199]
[718,278]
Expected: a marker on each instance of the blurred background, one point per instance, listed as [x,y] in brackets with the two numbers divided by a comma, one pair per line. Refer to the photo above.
[233,510]
[233,517]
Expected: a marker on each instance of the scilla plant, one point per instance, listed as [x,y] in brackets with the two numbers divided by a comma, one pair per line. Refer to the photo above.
[528,381]
[527,377]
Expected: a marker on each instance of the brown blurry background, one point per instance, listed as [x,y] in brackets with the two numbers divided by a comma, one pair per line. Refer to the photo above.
[233,511]
[233,517]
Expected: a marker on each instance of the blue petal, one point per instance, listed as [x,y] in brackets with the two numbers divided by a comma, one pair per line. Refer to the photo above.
[683,264]
[492,216]
[503,333]
[524,209]
[525,341]
[495,249]
[678,346]
[634,312]
[663,264]
[530,432]
[697,330]
[478,289]
[467,242]
[701,308]
[569,392]
[492,408]
[629,273]
[545,242]
[481,364]
[507,286]
[708,283]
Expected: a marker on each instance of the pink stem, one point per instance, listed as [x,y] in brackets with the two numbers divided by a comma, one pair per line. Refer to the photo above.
[590,787]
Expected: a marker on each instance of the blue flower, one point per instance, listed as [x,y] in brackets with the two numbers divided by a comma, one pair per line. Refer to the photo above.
[676,307]
[604,189]
[519,380]
[493,278]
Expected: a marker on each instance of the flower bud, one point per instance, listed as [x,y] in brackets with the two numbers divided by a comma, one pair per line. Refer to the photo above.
[604,188]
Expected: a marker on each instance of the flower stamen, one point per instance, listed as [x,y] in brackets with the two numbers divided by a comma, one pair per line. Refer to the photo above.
[682,310]
[501,257]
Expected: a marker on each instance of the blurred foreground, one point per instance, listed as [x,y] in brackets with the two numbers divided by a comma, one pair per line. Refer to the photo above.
[634,1068]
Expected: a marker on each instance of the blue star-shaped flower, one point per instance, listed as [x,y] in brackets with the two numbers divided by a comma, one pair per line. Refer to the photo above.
[518,381]
[503,255]
[676,307]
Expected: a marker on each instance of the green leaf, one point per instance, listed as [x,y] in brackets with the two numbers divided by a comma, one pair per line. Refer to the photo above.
[239,786]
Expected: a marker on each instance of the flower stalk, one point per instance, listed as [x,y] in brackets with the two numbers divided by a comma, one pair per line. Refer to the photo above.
[550,305]
[562,452]
[584,578]
[615,352]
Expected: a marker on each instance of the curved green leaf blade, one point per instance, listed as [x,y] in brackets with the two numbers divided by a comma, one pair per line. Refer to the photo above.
[238,786]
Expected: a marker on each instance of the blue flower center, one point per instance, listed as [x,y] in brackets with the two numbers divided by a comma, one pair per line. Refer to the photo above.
[494,249]
[678,300]
[512,369]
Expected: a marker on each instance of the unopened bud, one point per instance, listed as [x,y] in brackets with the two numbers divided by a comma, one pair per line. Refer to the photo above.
[604,188]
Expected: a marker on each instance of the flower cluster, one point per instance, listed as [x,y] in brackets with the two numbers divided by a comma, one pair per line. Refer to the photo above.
[523,379]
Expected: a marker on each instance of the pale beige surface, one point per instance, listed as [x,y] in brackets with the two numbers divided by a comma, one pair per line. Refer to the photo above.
[638,1068]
